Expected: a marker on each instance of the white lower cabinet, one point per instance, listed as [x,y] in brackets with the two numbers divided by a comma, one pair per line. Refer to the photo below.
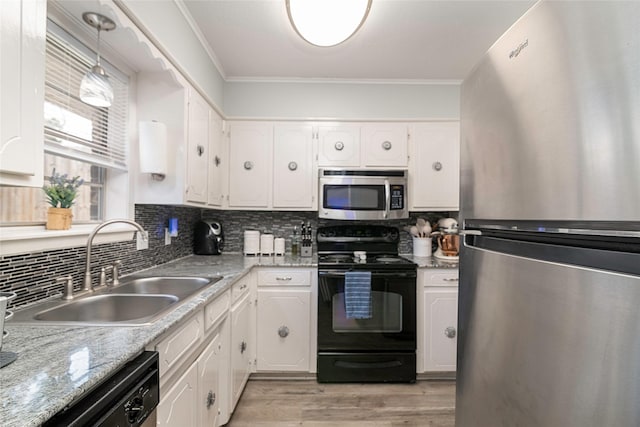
[178,404]
[438,320]
[241,347]
[209,391]
[285,330]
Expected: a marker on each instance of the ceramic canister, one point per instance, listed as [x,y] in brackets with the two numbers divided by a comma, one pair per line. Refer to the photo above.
[266,244]
[251,242]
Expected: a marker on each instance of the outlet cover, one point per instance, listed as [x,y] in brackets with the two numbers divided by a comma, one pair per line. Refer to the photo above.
[140,242]
[167,237]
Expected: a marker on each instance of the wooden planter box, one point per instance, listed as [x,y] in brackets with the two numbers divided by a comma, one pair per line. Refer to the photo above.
[59,219]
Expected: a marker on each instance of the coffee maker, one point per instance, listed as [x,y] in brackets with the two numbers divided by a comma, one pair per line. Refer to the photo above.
[208,238]
[448,239]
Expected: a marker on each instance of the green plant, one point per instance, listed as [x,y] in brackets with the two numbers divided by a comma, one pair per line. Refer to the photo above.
[62,190]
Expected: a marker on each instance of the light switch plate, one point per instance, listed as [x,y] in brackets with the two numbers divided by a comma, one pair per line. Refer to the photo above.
[140,242]
[167,237]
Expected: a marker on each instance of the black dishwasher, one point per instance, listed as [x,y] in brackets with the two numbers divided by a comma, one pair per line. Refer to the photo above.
[127,398]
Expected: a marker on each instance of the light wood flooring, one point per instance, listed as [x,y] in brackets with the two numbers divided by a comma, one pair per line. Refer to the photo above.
[270,403]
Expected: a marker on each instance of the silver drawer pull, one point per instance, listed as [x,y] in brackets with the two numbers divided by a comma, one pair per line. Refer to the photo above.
[284,279]
[450,279]
[450,332]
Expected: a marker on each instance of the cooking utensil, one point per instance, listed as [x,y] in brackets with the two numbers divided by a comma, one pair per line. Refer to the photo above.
[414,231]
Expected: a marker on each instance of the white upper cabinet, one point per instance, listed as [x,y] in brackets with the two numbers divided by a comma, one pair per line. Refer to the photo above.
[384,144]
[250,164]
[218,162]
[339,146]
[197,148]
[22,43]
[434,166]
[294,172]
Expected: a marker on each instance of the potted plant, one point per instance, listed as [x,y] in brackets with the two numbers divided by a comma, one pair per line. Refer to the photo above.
[61,192]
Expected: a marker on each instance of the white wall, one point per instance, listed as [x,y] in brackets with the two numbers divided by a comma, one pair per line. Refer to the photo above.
[317,100]
[168,26]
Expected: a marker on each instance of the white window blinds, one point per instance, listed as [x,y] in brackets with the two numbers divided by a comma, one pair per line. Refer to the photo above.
[72,128]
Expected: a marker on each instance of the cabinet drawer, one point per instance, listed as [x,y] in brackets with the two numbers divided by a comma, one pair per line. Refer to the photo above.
[214,311]
[440,278]
[284,278]
[180,343]
[239,288]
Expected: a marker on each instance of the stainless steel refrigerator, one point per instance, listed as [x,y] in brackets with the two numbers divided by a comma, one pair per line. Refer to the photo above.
[549,311]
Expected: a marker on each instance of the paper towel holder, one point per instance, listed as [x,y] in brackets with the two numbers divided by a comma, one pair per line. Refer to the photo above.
[153,149]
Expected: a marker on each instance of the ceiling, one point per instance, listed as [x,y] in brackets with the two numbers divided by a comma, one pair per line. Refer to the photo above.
[425,40]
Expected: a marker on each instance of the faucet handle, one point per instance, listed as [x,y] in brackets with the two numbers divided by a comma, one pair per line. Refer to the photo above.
[116,272]
[67,293]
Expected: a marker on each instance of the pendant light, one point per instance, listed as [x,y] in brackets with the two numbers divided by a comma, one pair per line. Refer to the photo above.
[95,88]
[327,23]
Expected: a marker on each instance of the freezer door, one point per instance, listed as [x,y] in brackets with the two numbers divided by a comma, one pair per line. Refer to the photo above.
[549,117]
[545,343]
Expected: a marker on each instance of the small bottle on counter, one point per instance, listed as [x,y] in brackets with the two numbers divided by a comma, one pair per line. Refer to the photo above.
[295,242]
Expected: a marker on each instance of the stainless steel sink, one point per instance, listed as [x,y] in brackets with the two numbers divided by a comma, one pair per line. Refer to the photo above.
[137,301]
[181,287]
[109,308]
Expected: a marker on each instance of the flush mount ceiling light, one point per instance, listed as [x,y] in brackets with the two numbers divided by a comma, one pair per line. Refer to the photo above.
[95,88]
[327,22]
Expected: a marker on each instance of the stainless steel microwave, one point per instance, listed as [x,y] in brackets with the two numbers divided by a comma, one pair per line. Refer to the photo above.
[363,194]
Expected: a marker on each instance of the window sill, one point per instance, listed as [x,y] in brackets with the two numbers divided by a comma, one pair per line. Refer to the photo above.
[18,240]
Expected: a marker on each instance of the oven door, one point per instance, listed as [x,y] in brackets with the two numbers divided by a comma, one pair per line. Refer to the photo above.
[392,326]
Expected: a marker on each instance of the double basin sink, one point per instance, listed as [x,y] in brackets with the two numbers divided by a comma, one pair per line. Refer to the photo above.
[137,301]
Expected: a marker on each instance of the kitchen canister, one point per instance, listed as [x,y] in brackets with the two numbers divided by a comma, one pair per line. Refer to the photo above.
[266,244]
[422,246]
[251,242]
[278,246]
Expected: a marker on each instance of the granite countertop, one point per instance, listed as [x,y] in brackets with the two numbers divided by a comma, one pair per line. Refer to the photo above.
[57,364]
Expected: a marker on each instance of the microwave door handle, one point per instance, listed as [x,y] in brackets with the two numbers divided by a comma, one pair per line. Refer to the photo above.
[387,198]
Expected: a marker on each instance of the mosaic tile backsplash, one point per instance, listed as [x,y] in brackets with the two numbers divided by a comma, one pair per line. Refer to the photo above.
[32,275]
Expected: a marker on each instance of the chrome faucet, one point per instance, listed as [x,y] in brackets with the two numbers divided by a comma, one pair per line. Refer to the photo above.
[87,272]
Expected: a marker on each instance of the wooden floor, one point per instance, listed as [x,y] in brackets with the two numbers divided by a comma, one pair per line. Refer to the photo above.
[306,403]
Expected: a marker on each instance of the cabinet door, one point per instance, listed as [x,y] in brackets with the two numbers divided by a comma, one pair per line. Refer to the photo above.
[441,314]
[339,146]
[293,171]
[209,395]
[197,148]
[283,329]
[250,164]
[434,166]
[241,347]
[22,43]
[218,162]
[384,144]
[178,405]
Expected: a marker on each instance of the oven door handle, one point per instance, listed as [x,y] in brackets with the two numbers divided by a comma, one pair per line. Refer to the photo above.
[387,198]
[341,273]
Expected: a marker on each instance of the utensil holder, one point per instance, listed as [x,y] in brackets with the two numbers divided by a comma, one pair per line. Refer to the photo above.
[422,246]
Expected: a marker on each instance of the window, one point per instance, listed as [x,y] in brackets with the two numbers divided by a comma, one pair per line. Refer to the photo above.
[80,139]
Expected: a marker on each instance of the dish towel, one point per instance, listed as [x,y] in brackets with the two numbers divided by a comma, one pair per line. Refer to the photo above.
[357,294]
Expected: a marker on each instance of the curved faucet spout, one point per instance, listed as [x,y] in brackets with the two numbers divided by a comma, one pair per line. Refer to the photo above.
[87,272]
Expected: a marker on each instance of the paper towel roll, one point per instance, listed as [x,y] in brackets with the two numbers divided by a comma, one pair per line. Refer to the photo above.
[153,147]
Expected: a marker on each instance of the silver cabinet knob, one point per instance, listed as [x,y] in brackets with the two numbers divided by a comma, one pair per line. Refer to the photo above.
[283,331]
[243,347]
[450,332]
[248,165]
[293,166]
[437,166]
[386,145]
[339,145]
[200,150]
[216,160]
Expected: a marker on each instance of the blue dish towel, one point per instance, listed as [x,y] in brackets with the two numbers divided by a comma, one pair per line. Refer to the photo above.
[357,294]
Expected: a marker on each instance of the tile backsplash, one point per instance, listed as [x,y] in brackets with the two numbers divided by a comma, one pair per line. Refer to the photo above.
[32,275]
